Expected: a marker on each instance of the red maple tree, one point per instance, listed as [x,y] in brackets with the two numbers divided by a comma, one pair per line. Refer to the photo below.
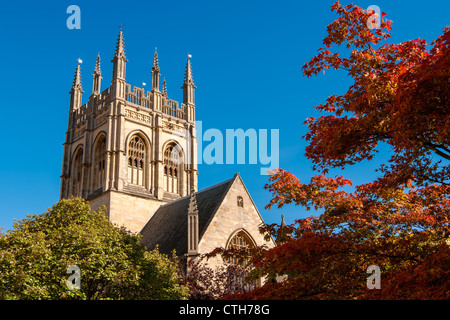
[399,221]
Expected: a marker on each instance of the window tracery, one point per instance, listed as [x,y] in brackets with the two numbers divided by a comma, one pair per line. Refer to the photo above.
[136,161]
[99,163]
[173,162]
[77,173]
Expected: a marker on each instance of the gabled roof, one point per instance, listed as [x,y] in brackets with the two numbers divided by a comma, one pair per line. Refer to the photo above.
[168,227]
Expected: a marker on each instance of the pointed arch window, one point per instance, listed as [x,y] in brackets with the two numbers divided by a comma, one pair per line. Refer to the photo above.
[173,164]
[237,275]
[240,202]
[136,161]
[240,241]
[99,163]
[77,173]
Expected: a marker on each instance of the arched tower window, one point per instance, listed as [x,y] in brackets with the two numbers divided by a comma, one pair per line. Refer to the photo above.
[173,166]
[136,161]
[99,163]
[77,173]
[240,202]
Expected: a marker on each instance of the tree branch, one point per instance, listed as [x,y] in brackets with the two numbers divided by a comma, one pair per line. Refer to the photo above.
[435,147]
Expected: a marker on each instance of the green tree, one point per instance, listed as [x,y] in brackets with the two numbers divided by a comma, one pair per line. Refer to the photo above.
[35,256]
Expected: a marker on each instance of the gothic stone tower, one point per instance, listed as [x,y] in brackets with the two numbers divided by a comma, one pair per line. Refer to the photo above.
[128,149]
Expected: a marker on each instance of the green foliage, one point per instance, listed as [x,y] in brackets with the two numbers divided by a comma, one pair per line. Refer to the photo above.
[35,255]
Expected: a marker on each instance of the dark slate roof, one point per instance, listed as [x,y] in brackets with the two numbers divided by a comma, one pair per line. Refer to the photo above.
[168,226]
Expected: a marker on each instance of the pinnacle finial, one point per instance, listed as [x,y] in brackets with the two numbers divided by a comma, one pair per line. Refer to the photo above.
[120,47]
[155,72]
[77,79]
[188,78]
[155,62]
[96,83]
[283,223]
[97,65]
[76,91]
[165,87]
[188,85]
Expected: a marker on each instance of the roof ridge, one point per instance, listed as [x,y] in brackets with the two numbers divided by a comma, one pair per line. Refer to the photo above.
[203,190]
[216,185]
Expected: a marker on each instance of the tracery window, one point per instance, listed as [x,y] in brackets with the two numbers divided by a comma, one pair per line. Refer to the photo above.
[240,241]
[136,161]
[173,163]
[238,272]
[77,173]
[99,163]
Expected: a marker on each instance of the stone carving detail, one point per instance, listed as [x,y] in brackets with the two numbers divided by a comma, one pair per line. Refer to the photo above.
[172,126]
[138,116]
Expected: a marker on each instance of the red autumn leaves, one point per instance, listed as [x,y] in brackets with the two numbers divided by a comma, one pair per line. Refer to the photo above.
[401,220]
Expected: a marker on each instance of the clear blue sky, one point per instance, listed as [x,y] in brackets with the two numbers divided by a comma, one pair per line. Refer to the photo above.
[246,58]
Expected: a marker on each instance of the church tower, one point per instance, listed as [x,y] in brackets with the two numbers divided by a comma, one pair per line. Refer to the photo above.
[129,149]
